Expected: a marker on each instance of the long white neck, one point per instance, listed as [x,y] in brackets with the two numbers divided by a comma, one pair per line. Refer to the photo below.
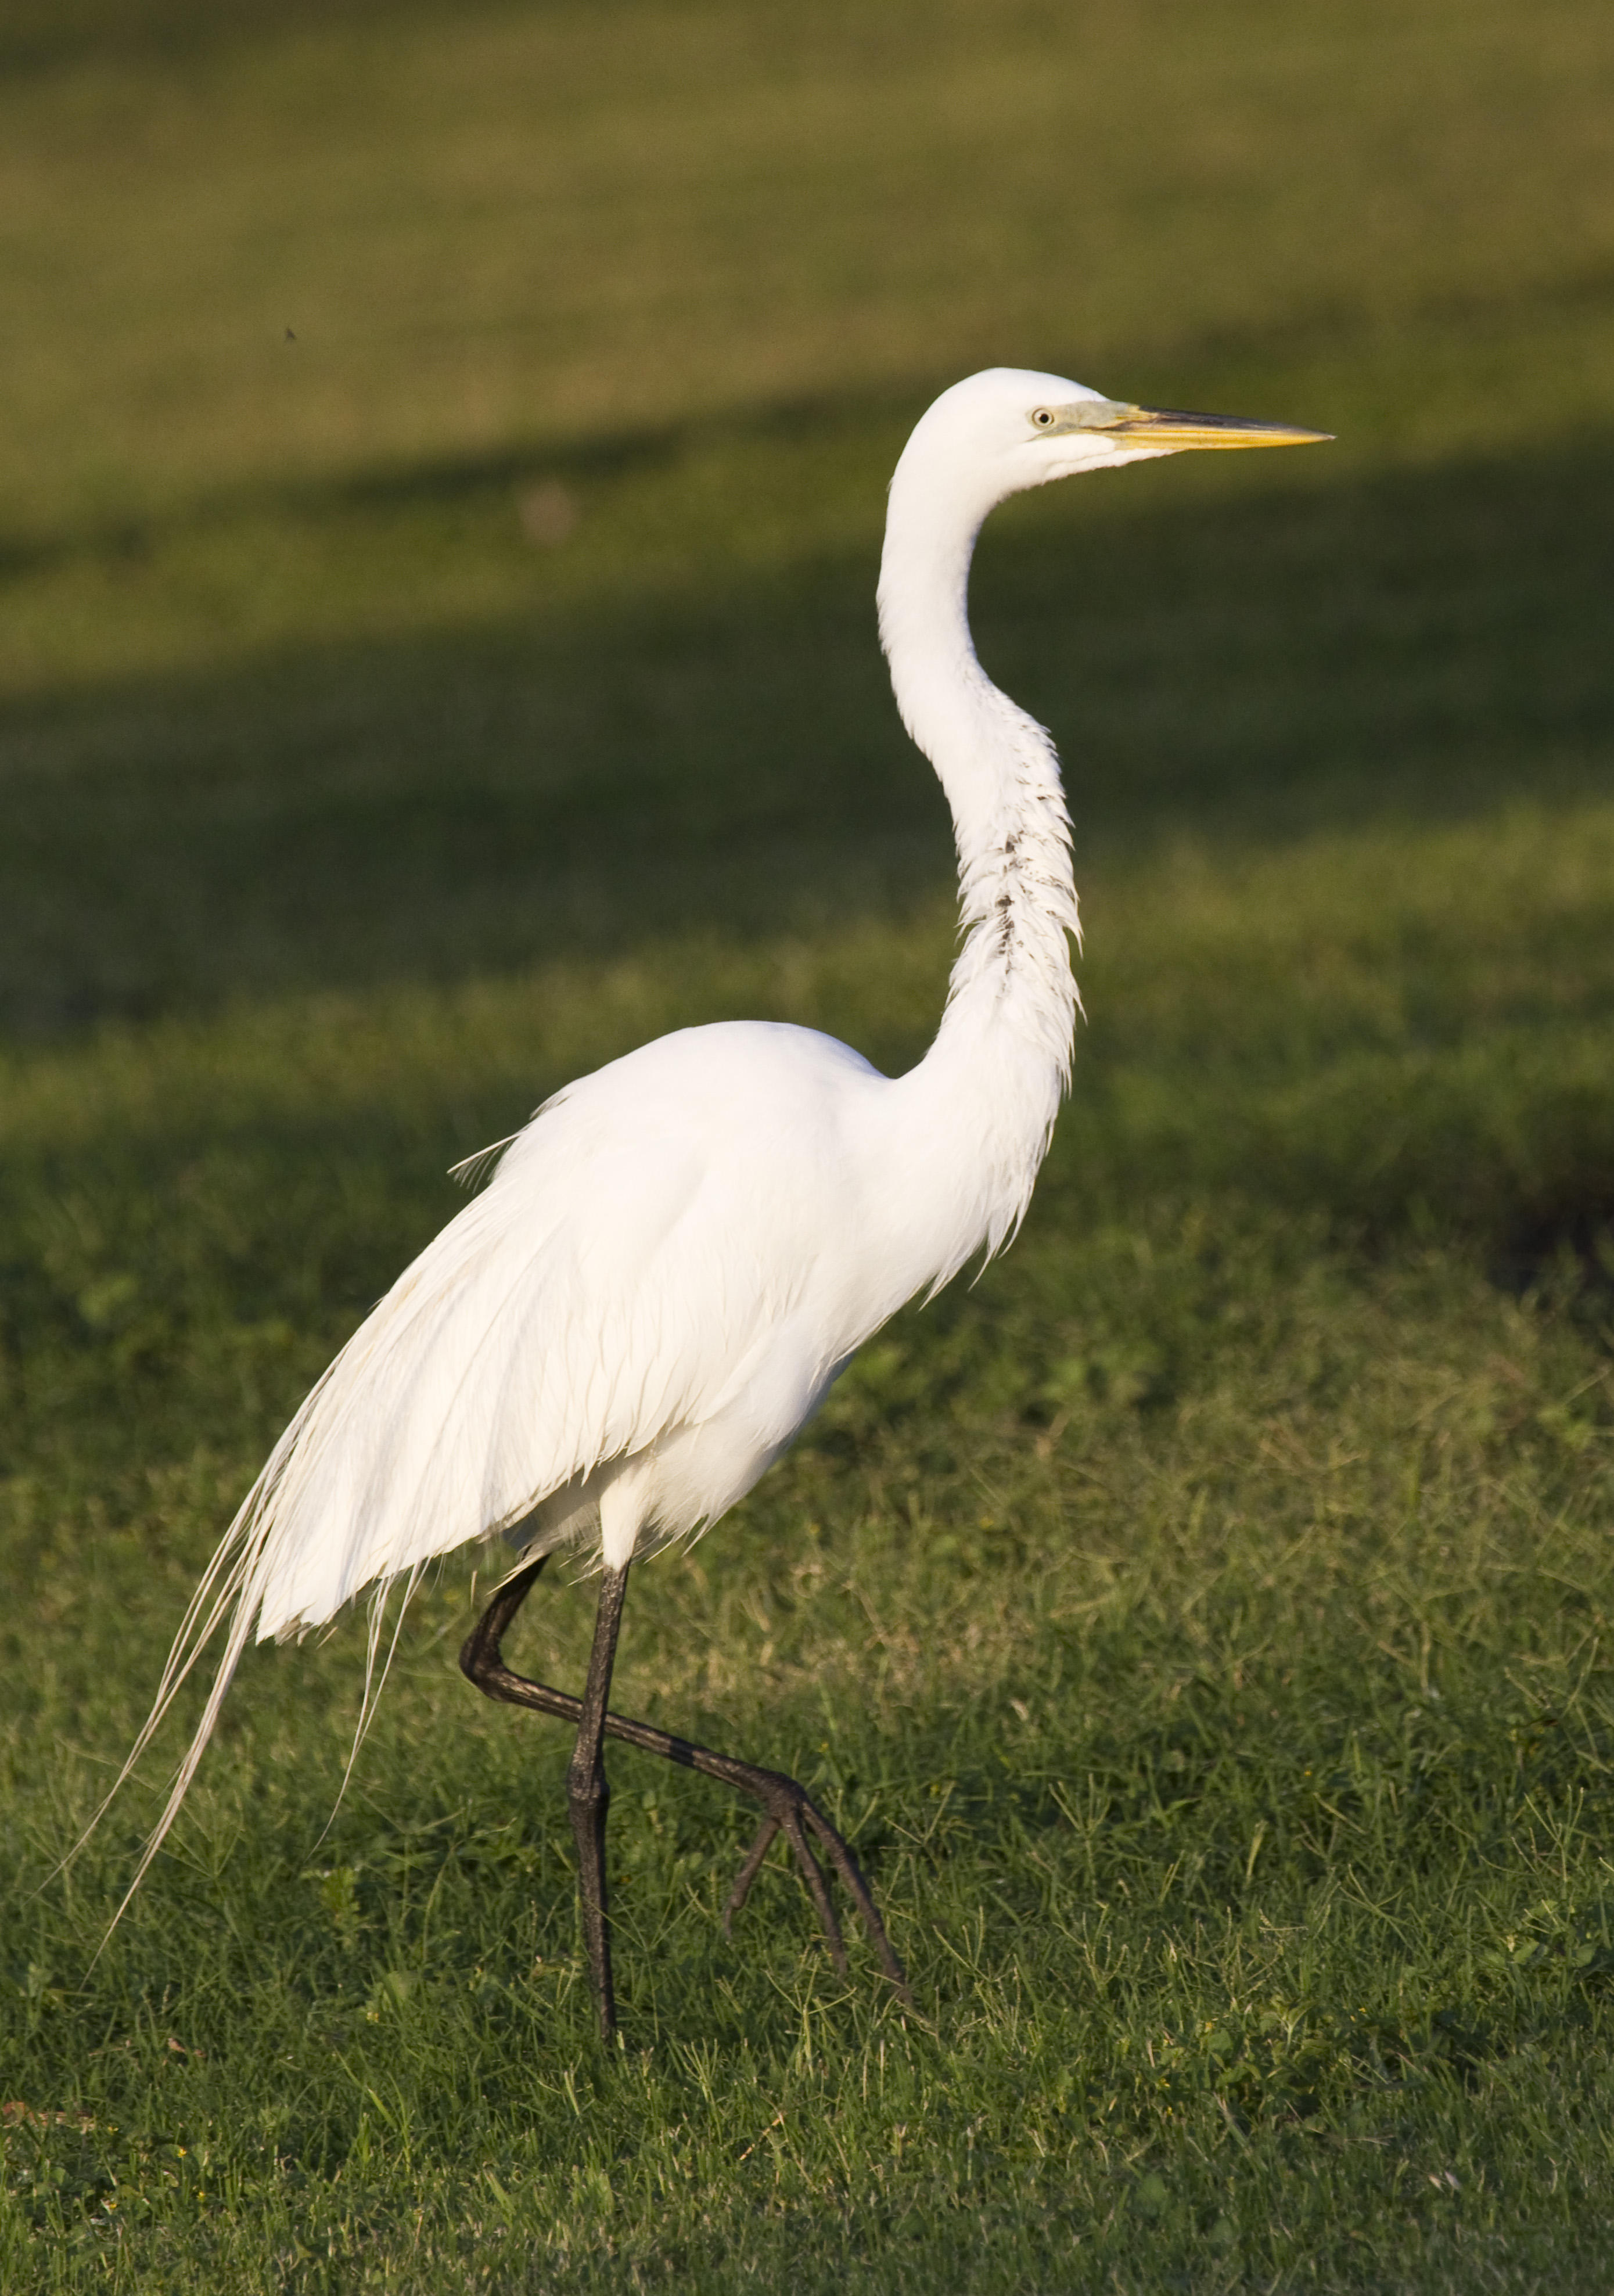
[1002,1057]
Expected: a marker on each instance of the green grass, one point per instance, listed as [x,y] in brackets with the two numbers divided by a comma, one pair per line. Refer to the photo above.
[1199,1625]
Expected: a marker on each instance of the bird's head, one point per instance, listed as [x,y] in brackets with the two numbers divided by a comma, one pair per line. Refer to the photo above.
[997,434]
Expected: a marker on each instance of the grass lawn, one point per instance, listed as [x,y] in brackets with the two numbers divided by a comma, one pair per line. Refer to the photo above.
[442,472]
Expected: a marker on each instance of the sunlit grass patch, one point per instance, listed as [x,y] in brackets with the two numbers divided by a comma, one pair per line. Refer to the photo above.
[1196,1625]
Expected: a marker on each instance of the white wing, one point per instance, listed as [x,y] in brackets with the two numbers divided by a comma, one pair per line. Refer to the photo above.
[633,1268]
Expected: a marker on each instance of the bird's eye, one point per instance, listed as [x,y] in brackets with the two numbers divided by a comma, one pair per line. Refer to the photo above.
[1042,417]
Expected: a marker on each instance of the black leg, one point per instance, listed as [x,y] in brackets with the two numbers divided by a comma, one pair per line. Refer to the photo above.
[590,1797]
[787,1807]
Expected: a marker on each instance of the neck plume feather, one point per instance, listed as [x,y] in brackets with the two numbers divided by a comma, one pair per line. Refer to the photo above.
[1012,1001]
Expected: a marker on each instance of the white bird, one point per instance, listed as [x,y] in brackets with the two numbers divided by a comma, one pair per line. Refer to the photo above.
[675,1256]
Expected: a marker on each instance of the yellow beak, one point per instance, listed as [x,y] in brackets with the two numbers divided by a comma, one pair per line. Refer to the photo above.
[1166,426]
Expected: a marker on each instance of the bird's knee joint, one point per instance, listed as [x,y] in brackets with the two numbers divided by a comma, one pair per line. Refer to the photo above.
[477,1665]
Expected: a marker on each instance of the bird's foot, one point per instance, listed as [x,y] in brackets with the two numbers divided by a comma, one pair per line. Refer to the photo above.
[790,1809]
[787,1807]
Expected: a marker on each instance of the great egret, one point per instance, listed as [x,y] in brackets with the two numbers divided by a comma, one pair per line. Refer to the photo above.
[677,1254]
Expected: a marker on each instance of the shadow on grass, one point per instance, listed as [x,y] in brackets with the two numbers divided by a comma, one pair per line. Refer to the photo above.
[1425,644]
[44,36]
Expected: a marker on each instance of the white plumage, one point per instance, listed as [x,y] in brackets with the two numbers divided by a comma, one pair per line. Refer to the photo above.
[678,1253]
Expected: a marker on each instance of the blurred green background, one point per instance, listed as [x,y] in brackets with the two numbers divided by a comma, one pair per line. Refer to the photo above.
[442,456]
